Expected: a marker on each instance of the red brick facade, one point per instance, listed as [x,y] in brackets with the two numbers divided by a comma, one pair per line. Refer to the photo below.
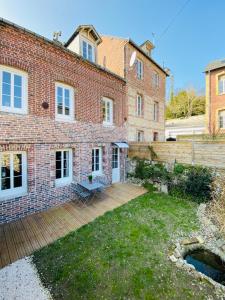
[215,102]
[40,135]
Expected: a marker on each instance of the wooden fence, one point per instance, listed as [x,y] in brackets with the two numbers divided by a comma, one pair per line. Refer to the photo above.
[207,153]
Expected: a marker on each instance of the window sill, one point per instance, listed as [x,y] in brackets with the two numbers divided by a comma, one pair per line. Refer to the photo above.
[13,111]
[97,174]
[65,119]
[62,182]
[13,195]
[108,124]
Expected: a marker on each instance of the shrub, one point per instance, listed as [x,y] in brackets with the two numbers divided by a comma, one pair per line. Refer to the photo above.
[193,182]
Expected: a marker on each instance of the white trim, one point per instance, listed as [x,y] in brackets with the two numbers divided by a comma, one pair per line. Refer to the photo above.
[107,101]
[64,180]
[19,191]
[99,172]
[24,90]
[63,117]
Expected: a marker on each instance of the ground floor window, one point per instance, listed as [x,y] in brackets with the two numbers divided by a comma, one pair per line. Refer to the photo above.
[222,119]
[13,175]
[115,157]
[97,161]
[63,166]
[155,136]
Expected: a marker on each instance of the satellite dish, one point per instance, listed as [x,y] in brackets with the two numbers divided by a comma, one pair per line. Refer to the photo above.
[133,58]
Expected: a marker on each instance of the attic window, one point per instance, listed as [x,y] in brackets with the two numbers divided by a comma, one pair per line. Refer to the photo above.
[88,51]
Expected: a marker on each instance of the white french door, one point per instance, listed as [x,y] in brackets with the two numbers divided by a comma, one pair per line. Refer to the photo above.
[115,164]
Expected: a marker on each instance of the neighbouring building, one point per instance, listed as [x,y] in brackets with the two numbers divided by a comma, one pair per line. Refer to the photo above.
[215,96]
[146,82]
[62,118]
[194,125]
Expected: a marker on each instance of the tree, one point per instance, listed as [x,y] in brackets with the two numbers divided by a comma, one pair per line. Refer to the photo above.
[185,104]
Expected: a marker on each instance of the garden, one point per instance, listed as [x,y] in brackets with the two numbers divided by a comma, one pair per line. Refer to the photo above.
[125,254]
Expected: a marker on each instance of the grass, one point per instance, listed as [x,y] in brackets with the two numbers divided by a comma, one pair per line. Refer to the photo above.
[124,254]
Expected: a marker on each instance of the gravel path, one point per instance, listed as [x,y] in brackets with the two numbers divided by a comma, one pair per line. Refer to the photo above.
[19,281]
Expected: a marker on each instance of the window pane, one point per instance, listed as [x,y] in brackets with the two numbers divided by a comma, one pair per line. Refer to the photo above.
[17,164]
[59,100]
[6,89]
[58,164]
[5,172]
[84,49]
[58,155]
[17,181]
[18,80]
[5,183]
[17,102]
[67,106]
[90,52]
[6,101]
[17,91]
[58,174]
[6,77]
[66,172]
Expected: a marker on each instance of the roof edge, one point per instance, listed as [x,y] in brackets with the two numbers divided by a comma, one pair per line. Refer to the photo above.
[60,46]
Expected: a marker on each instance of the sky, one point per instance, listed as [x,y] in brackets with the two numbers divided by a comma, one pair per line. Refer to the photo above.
[188,34]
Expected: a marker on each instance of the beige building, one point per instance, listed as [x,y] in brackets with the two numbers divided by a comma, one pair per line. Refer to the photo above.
[146,81]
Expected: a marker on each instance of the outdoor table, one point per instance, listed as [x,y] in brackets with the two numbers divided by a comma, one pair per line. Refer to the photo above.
[91,187]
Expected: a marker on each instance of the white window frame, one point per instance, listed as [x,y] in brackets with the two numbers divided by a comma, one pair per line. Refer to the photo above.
[139,69]
[156,111]
[64,180]
[63,117]
[98,172]
[108,118]
[18,191]
[24,96]
[156,79]
[93,52]
[221,79]
[140,136]
[139,105]
[221,116]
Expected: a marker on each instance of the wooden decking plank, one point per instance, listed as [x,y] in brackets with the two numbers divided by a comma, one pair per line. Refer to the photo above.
[22,237]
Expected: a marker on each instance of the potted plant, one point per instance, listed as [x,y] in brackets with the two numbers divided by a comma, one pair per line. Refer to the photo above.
[90,178]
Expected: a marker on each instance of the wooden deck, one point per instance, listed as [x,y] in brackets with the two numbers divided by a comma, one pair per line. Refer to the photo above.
[21,238]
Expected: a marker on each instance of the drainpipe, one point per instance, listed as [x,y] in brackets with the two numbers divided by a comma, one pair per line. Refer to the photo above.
[209,88]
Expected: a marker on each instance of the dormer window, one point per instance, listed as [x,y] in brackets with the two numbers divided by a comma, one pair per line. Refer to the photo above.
[88,51]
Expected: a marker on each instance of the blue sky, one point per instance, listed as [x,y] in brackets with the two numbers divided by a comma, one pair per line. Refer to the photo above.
[195,37]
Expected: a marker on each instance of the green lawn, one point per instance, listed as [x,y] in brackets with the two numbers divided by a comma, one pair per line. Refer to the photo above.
[123,254]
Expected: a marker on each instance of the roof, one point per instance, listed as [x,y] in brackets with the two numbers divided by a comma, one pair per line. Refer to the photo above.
[194,121]
[79,28]
[128,40]
[147,56]
[59,46]
[216,64]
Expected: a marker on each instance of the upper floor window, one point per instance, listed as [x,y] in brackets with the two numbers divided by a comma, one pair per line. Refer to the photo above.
[13,90]
[97,161]
[63,161]
[107,111]
[88,51]
[13,173]
[156,111]
[140,136]
[64,102]
[222,119]
[155,79]
[139,69]
[221,85]
[139,105]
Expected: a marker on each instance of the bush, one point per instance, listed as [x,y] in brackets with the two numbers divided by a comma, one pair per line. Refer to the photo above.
[193,182]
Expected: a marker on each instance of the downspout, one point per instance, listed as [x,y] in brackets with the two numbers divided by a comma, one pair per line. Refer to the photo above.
[209,88]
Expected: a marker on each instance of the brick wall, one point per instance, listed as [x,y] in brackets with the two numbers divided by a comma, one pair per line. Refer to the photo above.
[40,135]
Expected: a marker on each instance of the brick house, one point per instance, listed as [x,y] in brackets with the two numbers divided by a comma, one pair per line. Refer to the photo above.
[215,96]
[60,117]
[145,86]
